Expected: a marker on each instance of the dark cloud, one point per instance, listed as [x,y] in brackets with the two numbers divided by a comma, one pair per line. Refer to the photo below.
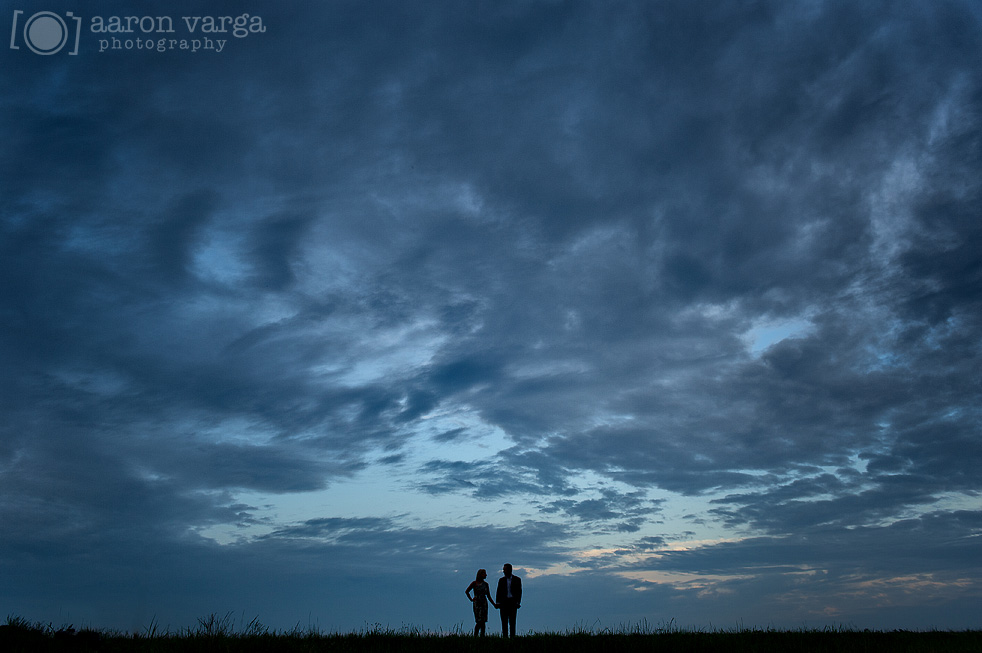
[935,546]
[626,511]
[522,253]
[451,435]
[174,239]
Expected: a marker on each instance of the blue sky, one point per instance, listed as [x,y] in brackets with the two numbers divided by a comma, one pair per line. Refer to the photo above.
[674,306]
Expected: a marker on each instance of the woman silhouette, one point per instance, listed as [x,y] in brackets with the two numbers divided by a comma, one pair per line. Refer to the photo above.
[482,595]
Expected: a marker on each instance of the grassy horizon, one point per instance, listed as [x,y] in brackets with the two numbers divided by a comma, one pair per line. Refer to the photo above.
[218,633]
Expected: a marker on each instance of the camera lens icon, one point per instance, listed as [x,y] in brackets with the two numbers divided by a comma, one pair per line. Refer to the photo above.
[46,32]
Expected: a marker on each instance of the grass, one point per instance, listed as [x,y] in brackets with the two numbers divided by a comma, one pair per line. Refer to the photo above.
[218,633]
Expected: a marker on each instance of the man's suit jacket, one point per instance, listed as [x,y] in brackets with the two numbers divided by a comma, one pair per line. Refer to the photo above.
[501,595]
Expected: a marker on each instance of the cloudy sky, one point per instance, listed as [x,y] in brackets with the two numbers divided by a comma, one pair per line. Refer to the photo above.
[673,305]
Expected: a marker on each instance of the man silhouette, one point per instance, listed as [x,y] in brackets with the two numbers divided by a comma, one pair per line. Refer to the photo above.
[509,600]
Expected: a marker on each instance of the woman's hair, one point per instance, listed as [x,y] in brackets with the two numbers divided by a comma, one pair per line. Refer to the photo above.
[479,572]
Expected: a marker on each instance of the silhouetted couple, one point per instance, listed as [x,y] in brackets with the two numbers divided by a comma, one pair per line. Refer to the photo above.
[507,600]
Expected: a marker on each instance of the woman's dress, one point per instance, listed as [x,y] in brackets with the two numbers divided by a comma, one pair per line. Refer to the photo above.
[481,593]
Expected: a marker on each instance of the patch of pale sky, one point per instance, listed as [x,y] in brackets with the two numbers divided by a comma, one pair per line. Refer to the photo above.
[481,440]
[766,332]
[218,258]
[680,580]
[953,501]
[389,490]
[857,463]
[614,559]
[682,523]
[393,353]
